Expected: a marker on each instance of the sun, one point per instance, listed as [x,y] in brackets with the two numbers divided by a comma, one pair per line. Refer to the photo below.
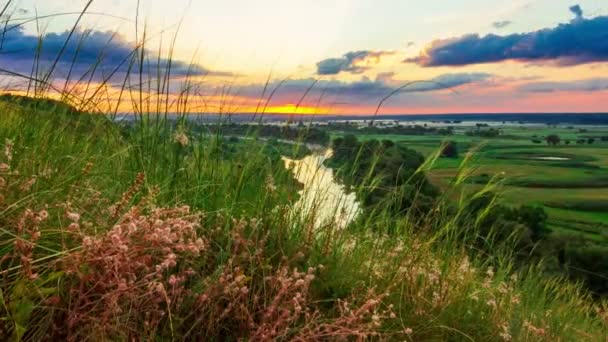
[291,108]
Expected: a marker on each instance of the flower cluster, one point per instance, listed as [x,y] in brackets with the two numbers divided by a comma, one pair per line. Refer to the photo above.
[130,267]
[358,318]
[27,234]
[116,209]
[181,138]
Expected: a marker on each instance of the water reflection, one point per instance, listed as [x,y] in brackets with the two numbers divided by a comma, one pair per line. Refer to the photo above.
[322,196]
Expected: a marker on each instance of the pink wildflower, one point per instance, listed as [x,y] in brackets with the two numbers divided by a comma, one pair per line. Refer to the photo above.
[74,217]
[8,149]
[181,138]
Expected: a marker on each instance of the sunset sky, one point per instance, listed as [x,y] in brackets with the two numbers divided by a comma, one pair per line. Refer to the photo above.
[332,56]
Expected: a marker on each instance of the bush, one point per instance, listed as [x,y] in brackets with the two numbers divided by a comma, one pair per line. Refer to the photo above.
[553,139]
[450,150]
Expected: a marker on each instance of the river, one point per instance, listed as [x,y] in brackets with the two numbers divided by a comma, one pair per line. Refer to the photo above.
[322,196]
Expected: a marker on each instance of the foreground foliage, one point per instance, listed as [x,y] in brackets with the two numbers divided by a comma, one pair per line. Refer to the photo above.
[157,235]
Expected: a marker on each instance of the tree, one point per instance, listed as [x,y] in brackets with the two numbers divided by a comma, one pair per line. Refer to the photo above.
[388,143]
[590,141]
[534,218]
[553,139]
[567,142]
[450,150]
[384,173]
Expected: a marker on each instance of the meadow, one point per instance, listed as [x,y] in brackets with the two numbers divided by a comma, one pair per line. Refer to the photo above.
[574,191]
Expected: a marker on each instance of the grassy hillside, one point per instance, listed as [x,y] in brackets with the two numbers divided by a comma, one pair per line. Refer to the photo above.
[155,232]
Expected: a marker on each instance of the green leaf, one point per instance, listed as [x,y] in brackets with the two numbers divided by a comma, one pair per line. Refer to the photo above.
[47,291]
[23,310]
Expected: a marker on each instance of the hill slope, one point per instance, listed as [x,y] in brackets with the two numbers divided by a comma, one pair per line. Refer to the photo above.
[152,232]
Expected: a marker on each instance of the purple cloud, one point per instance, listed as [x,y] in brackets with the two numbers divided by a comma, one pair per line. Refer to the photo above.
[347,63]
[588,85]
[577,42]
[105,52]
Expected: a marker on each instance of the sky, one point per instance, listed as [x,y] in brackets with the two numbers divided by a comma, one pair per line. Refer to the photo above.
[317,56]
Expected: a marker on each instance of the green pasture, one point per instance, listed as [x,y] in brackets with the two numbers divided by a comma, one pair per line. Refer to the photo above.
[572,184]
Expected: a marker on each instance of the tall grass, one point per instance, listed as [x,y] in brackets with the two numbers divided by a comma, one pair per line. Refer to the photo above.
[152,231]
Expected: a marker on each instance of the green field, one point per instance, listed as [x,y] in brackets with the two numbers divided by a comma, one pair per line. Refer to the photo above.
[574,191]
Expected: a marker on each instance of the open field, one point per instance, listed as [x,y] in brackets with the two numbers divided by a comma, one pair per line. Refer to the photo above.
[570,181]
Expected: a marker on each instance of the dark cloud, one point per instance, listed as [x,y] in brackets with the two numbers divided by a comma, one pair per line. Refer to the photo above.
[577,42]
[367,89]
[452,81]
[501,24]
[589,85]
[385,83]
[577,10]
[364,88]
[85,49]
[348,63]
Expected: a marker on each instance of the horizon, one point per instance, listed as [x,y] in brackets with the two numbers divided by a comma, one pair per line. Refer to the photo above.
[372,115]
[580,119]
[398,58]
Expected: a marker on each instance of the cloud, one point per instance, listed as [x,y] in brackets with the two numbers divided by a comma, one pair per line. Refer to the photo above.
[385,83]
[365,94]
[588,85]
[577,42]
[386,77]
[354,62]
[454,80]
[107,51]
[501,24]
[577,10]
[366,89]
[361,89]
